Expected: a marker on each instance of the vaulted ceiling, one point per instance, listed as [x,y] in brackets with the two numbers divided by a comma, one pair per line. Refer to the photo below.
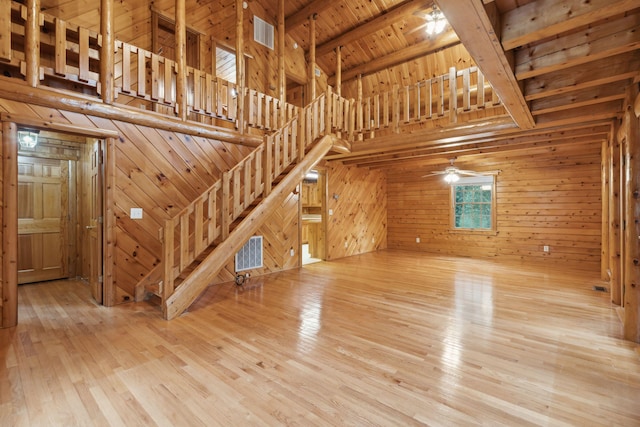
[561,67]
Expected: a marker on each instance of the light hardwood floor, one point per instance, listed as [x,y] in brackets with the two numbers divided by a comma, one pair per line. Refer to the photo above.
[388,338]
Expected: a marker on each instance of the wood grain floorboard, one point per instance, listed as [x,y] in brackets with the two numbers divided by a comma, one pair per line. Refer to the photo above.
[387,338]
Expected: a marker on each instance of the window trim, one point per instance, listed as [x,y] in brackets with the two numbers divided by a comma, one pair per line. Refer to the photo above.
[483,179]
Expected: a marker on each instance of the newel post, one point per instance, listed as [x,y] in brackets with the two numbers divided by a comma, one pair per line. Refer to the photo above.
[32,43]
[240,66]
[107,51]
[181,58]
[9,231]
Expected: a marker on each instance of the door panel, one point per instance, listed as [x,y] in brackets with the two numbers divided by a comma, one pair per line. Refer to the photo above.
[43,196]
[94,227]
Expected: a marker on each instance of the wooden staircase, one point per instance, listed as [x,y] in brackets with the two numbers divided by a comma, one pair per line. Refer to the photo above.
[198,241]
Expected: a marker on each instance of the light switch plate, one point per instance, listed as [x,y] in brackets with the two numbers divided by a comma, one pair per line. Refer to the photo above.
[135,213]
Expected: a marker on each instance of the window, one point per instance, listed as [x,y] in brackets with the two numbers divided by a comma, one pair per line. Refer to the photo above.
[473,204]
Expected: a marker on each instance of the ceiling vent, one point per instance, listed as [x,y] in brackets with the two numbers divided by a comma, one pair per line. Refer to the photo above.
[263,32]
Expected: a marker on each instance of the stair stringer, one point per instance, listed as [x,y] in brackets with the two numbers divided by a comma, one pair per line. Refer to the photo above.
[191,288]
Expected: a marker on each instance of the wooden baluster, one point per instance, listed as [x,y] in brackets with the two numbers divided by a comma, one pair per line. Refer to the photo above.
[453,96]
[237,199]
[184,240]
[480,91]
[407,98]
[220,97]
[466,90]
[252,108]
[376,111]
[418,99]
[260,122]
[142,73]
[267,114]
[197,89]
[126,68]
[429,99]
[83,54]
[213,215]
[367,113]
[286,140]
[277,147]
[268,165]
[359,116]
[155,77]
[198,227]
[248,190]
[385,109]
[60,67]
[168,259]
[168,81]
[257,174]
[300,135]
[226,201]
[328,110]
[208,94]
[396,108]
[441,95]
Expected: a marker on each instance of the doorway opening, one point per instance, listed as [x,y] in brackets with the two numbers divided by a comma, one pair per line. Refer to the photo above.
[313,203]
[60,210]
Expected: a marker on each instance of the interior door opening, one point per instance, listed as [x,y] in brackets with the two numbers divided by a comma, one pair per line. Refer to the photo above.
[60,194]
[313,207]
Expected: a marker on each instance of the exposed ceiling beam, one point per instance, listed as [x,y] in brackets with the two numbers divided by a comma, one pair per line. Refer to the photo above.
[460,132]
[475,29]
[609,39]
[547,18]
[599,132]
[579,99]
[418,50]
[380,22]
[482,150]
[301,16]
[603,71]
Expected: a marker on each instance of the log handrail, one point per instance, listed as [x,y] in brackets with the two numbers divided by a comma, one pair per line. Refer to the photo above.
[209,217]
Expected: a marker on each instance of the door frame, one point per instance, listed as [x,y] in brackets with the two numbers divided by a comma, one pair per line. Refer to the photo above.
[9,212]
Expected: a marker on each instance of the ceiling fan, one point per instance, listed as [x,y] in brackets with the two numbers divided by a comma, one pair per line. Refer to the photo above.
[452,174]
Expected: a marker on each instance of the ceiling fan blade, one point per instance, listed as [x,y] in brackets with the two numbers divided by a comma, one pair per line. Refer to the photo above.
[434,173]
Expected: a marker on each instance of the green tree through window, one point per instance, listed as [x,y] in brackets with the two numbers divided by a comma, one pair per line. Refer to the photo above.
[473,203]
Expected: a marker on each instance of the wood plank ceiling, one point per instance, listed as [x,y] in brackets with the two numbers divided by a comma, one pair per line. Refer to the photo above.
[560,67]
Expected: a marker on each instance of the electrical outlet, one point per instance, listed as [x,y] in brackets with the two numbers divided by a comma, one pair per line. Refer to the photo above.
[292,252]
[346,245]
[417,240]
[545,248]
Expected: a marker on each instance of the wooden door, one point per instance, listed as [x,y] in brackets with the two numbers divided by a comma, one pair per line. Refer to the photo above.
[94,226]
[43,212]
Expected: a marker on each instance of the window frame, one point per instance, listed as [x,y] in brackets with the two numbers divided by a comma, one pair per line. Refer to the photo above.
[474,180]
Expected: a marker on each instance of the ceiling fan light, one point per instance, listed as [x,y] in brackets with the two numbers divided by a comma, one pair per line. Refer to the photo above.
[435,22]
[451,177]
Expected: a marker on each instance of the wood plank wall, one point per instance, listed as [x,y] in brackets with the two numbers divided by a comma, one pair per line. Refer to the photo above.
[549,196]
[157,171]
[358,224]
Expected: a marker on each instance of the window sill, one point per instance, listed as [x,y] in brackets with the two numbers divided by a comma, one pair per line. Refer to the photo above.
[473,232]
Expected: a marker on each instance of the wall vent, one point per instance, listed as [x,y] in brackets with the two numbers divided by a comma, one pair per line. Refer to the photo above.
[250,255]
[263,32]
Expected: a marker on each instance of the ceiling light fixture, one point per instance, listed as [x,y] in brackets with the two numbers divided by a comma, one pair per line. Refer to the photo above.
[451,177]
[436,21]
[27,139]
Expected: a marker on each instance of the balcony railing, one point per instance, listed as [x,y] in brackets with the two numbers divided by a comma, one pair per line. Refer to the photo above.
[70,58]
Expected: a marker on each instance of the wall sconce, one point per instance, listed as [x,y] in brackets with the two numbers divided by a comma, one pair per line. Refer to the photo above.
[27,139]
